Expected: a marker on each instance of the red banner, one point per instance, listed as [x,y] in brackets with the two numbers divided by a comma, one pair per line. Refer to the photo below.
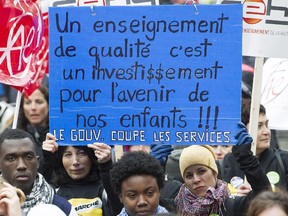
[21,27]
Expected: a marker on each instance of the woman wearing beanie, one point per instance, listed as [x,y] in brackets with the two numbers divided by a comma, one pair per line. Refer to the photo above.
[203,194]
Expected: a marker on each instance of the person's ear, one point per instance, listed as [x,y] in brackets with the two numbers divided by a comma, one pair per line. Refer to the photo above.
[120,197]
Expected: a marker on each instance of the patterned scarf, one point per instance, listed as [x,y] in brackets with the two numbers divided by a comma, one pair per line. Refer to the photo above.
[41,192]
[190,205]
[159,210]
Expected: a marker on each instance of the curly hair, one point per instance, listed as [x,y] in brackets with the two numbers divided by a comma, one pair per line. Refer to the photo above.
[135,163]
[61,177]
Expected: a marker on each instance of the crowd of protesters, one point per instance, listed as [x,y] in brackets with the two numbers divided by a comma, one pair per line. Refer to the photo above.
[157,179]
[85,180]
[39,177]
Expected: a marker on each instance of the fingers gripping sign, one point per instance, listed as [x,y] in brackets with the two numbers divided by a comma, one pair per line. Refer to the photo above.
[102,151]
[50,143]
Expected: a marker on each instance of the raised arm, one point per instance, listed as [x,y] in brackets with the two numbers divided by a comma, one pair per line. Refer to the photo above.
[249,163]
[49,147]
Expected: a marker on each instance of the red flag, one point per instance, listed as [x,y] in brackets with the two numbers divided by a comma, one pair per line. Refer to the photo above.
[21,27]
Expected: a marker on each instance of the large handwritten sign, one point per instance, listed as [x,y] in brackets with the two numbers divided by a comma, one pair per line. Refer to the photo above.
[137,75]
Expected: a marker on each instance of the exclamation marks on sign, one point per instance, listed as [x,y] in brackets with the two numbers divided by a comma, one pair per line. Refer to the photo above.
[200,117]
[208,113]
[216,117]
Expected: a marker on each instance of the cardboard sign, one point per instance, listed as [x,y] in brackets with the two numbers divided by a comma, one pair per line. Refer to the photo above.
[145,74]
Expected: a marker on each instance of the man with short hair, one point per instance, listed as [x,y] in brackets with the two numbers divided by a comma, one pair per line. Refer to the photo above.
[19,164]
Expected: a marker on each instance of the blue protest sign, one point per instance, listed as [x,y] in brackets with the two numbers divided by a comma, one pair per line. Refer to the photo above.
[137,75]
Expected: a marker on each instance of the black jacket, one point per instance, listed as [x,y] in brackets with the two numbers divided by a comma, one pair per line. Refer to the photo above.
[83,195]
[268,161]
[249,164]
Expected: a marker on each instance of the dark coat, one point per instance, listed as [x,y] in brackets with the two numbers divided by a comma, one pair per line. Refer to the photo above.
[249,164]
[268,161]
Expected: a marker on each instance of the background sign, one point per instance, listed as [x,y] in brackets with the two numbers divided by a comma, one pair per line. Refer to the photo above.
[275,92]
[265,27]
[137,75]
[21,27]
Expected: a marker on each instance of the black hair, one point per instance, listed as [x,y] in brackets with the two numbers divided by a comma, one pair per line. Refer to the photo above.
[245,110]
[61,178]
[135,163]
[9,134]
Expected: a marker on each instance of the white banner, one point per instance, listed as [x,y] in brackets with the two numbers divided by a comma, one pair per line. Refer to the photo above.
[275,92]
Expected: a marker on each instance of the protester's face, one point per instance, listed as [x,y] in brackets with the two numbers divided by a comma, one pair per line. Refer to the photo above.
[76,162]
[221,151]
[263,135]
[36,108]
[140,195]
[19,163]
[275,210]
[199,178]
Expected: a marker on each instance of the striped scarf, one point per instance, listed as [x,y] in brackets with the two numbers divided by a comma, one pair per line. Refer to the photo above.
[41,192]
[190,205]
